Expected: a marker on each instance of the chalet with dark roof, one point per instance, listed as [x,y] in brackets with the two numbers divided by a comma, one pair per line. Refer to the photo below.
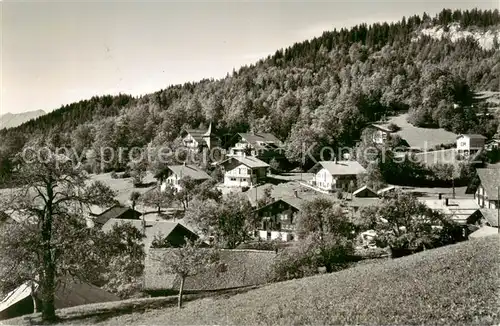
[262,145]
[173,233]
[487,191]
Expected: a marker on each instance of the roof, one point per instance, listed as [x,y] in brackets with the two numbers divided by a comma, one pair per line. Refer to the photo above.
[68,294]
[365,188]
[197,134]
[281,190]
[472,136]
[340,167]
[249,161]
[484,231]
[458,209]
[253,138]
[237,268]
[382,126]
[114,212]
[386,189]
[153,228]
[491,216]
[490,180]
[292,201]
[188,170]
[18,294]
[362,202]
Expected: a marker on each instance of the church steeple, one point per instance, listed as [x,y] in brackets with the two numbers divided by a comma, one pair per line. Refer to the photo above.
[209,137]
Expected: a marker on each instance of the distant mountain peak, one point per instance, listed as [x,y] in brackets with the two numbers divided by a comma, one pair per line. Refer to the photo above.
[11,120]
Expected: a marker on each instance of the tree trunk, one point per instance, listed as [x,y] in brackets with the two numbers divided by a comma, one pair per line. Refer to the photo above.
[48,279]
[33,297]
[181,289]
[48,288]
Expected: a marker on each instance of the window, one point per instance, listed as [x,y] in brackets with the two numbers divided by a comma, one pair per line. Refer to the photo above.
[233,179]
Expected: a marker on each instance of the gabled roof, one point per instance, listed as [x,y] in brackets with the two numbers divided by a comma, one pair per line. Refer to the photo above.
[70,293]
[237,268]
[197,134]
[115,212]
[490,215]
[188,170]
[339,167]
[253,138]
[472,136]
[249,161]
[367,189]
[153,228]
[360,202]
[292,201]
[484,231]
[490,180]
[386,189]
[382,126]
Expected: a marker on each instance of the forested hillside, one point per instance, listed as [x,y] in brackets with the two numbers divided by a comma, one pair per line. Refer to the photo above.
[323,90]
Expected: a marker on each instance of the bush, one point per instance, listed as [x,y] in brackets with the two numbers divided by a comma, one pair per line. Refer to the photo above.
[114,175]
[126,175]
[315,253]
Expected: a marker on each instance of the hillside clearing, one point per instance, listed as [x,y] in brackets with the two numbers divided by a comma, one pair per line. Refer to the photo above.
[425,138]
[453,285]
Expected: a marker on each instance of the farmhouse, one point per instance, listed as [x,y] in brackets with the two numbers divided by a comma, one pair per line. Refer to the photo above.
[278,219]
[236,269]
[173,233]
[381,132]
[470,144]
[335,175]
[116,212]
[174,173]
[487,191]
[196,139]
[463,211]
[244,171]
[256,144]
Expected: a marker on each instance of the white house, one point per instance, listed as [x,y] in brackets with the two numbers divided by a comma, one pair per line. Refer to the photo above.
[335,175]
[487,191]
[244,171]
[470,144]
[174,173]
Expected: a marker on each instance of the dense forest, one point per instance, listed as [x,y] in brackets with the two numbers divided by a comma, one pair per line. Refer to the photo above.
[322,91]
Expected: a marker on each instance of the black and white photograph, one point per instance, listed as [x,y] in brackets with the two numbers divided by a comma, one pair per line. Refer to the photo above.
[249,162]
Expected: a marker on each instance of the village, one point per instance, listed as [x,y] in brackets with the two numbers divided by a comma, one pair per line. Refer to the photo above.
[276,199]
[278,163]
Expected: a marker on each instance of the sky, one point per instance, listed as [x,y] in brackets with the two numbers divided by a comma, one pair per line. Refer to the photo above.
[59,52]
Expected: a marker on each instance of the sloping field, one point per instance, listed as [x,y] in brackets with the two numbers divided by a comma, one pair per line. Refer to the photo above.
[453,285]
[425,138]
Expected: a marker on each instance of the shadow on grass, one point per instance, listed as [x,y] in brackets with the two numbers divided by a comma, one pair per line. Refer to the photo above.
[99,312]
